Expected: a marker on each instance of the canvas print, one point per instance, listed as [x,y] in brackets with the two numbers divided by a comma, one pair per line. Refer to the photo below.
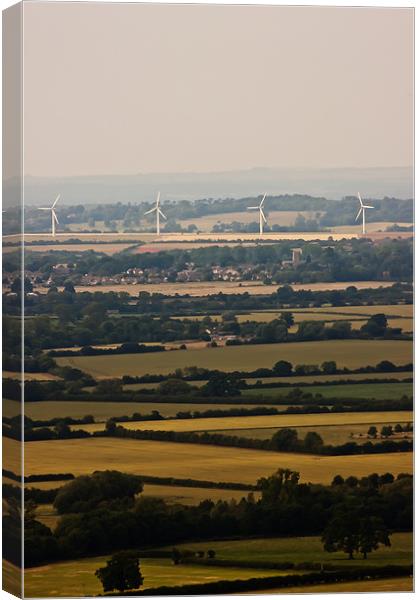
[207,299]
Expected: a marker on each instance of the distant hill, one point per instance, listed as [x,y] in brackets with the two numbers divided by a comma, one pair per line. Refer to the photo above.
[328,183]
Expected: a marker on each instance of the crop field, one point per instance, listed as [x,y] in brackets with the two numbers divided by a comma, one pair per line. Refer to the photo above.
[381,391]
[349,353]
[105,248]
[315,379]
[12,578]
[331,434]
[102,411]
[277,217]
[207,288]
[31,376]
[77,578]
[259,421]
[196,461]
[303,549]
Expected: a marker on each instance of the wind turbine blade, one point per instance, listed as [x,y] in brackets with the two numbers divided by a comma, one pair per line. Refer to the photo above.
[360,199]
[161,214]
[43,208]
[262,201]
[359,213]
[158,199]
[55,216]
[253,207]
[150,211]
[263,215]
[55,201]
[367,206]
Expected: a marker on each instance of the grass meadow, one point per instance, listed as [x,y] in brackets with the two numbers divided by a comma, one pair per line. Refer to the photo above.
[77,577]
[380,391]
[205,462]
[348,353]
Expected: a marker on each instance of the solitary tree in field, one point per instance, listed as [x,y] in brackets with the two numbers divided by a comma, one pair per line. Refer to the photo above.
[122,572]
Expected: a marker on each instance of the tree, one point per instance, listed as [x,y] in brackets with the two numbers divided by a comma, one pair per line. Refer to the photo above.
[281,486]
[376,325]
[283,368]
[122,572]
[174,387]
[372,431]
[313,441]
[386,431]
[222,384]
[372,533]
[341,534]
[329,367]
[284,439]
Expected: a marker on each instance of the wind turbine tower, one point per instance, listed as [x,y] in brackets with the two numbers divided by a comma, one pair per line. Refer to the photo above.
[54,220]
[362,209]
[262,215]
[158,211]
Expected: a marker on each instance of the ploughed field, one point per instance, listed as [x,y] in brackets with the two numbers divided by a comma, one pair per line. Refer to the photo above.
[348,353]
[196,461]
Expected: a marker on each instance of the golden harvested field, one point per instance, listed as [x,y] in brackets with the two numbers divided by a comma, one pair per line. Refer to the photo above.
[331,434]
[105,248]
[102,411]
[31,376]
[260,421]
[207,288]
[348,353]
[211,463]
[276,217]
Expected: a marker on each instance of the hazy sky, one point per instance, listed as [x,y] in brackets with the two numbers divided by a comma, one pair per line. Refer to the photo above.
[128,88]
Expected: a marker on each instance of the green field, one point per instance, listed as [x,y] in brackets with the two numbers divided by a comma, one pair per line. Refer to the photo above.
[77,578]
[349,353]
[196,461]
[381,391]
[302,549]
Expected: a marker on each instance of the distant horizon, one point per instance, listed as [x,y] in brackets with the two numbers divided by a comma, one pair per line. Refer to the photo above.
[215,171]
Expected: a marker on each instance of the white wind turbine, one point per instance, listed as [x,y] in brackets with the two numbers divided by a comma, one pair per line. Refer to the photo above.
[262,215]
[54,220]
[362,209]
[159,213]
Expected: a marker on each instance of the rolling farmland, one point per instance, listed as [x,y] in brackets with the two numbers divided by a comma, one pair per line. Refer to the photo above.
[349,353]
